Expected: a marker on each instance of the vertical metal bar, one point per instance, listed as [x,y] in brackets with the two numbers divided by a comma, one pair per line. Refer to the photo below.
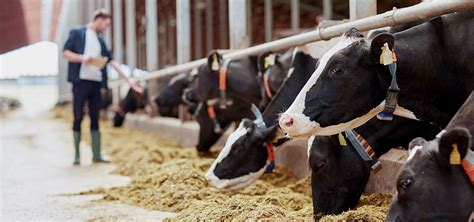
[238,36]
[183,31]
[327,9]
[151,35]
[90,9]
[197,29]
[46,19]
[209,26]
[362,8]
[117,23]
[268,20]
[108,35]
[295,15]
[131,40]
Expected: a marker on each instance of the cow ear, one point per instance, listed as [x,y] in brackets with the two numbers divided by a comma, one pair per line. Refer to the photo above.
[453,145]
[214,60]
[270,133]
[377,44]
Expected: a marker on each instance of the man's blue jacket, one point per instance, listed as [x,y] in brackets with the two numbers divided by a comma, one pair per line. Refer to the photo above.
[76,43]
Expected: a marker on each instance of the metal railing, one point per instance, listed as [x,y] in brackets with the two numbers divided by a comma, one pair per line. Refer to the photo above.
[389,18]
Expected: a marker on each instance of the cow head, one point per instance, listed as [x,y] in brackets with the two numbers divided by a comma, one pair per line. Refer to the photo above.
[335,194]
[205,86]
[170,97]
[347,88]
[244,157]
[130,104]
[429,186]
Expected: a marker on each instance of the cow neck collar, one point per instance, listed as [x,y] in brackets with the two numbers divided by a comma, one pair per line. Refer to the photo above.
[260,124]
[389,58]
[363,148]
[223,71]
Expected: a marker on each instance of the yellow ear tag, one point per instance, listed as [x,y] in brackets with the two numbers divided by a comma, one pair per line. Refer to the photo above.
[215,64]
[386,57]
[455,157]
[265,63]
[342,140]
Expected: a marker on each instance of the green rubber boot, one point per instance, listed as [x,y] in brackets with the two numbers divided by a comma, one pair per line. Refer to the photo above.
[77,153]
[96,153]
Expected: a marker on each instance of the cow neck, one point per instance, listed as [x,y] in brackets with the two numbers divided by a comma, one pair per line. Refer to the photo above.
[363,148]
[417,64]
[224,92]
[304,66]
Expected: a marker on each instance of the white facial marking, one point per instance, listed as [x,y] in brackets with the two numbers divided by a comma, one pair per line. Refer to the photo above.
[413,151]
[310,143]
[303,127]
[238,182]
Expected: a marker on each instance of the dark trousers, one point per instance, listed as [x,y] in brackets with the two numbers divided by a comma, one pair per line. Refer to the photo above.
[86,91]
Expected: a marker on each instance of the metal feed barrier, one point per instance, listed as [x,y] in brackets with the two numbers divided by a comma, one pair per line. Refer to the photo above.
[389,18]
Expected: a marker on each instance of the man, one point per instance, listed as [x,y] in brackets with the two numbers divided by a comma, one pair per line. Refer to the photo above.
[87,54]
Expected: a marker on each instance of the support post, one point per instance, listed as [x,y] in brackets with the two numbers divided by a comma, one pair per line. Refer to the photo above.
[362,8]
[151,35]
[295,15]
[183,31]
[238,35]
[327,9]
[268,20]
[117,23]
[131,40]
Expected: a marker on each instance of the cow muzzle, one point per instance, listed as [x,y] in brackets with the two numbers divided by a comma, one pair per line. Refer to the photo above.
[297,125]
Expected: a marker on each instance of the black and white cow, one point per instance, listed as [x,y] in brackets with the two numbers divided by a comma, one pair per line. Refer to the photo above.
[241,79]
[349,86]
[131,103]
[273,68]
[244,157]
[436,183]
[170,97]
[328,157]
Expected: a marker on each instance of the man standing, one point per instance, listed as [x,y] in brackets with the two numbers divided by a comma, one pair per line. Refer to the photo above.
[87,54]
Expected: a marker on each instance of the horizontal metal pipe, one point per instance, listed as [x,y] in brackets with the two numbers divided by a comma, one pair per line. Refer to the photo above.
[389,18]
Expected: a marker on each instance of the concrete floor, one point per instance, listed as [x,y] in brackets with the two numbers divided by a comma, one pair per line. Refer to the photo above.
[37,173]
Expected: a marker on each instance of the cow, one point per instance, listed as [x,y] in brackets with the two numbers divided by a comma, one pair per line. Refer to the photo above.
[238,83]
[338,155]
[272,70]
[131,103]
[242,89]
[349,87]
[244,156]
[436,183]
[170,97]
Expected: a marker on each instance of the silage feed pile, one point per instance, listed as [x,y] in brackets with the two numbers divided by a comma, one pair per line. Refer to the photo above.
[166,177]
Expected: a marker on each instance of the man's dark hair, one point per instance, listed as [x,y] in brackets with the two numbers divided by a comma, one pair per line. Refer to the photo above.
[102,13]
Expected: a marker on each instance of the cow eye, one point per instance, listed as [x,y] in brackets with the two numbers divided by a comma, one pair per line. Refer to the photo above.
[405,183]
[337,70]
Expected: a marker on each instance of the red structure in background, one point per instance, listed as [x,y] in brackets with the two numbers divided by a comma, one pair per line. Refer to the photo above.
[20,23]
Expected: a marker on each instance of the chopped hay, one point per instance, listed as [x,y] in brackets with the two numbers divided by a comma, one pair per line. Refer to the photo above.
[166,177]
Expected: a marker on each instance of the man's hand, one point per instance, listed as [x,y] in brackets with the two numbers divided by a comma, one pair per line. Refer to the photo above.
[137,88]
[87,60]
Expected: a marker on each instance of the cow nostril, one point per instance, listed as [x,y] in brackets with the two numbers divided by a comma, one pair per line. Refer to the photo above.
[289,122]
